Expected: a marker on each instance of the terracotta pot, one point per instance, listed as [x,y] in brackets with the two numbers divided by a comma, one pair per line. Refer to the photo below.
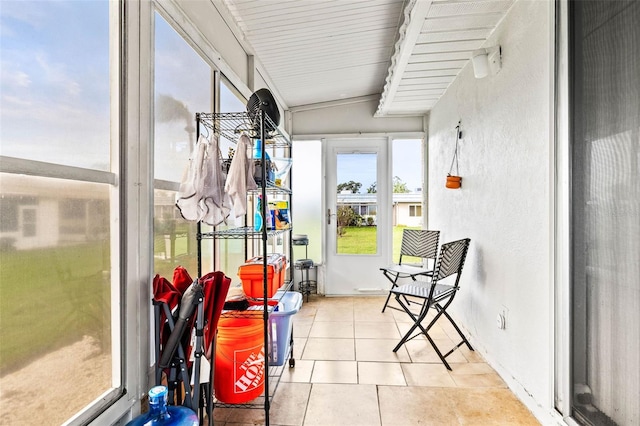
[453,182]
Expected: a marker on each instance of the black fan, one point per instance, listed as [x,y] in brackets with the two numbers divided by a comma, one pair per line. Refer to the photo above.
[263,100]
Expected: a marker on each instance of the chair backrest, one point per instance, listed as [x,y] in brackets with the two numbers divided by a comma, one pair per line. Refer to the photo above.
[451,260]
[419,243]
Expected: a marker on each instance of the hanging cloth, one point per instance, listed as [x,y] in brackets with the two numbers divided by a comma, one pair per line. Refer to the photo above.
[201,196]
[240,179]
[190,192]
[216,203]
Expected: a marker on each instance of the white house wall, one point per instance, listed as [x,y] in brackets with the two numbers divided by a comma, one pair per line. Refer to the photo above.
[504,205]
[403,217]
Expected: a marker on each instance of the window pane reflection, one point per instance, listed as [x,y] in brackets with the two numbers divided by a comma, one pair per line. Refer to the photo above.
[182,88]
[55,82]
[233,253]
[55,308]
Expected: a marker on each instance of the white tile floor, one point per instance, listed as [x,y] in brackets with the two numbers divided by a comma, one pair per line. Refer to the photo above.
[347,374]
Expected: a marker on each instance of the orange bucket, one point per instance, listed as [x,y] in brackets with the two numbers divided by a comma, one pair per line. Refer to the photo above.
[239,364]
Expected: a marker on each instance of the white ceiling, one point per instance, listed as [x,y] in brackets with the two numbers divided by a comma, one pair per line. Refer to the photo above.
[406,52]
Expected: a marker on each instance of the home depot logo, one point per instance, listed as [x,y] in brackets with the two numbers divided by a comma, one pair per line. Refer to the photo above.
[251,371]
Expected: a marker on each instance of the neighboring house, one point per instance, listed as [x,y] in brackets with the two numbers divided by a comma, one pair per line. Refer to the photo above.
[407,207]
[35,216]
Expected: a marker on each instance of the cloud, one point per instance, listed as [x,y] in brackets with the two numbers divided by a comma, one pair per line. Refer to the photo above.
[31,15]
[12,77]
[55,73]
[15,101]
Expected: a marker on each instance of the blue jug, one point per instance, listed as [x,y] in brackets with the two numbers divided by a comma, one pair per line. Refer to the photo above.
[161,414]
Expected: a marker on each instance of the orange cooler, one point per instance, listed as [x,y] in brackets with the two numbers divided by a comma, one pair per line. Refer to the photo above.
[252,278]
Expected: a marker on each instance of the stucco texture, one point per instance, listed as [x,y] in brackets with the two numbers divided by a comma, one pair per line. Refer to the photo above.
[504,204]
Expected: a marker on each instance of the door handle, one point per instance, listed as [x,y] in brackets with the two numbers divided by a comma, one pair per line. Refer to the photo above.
[328,216]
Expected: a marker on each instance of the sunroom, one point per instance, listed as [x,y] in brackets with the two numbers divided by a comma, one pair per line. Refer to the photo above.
[534,103]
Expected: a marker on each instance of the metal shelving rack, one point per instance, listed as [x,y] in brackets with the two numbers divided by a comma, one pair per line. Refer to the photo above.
[230,126]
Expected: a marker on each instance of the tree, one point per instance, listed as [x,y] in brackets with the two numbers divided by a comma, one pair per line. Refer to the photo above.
[399,187]
[352,186]
[345,217]
[372,189]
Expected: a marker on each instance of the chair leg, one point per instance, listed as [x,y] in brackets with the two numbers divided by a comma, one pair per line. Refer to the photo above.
[394,284]
[464,339]
[417,319]
[305,280]
[442,357]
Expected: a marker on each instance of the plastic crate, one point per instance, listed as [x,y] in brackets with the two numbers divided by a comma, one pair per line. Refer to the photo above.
[251,274]
[281,326]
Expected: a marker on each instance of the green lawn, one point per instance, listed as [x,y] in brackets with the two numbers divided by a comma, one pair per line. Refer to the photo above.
[362,240]
[52,297]
[49,298]
[358,240]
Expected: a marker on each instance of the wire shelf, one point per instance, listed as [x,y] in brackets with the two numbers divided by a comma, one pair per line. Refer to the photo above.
[241,233]
[275,374]
[230,124]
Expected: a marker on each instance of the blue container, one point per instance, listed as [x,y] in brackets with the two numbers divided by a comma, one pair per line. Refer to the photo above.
[161,414]
[281,326]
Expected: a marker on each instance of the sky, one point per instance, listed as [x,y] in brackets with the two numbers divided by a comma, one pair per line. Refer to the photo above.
[407,165]
[54,81]
[54,89]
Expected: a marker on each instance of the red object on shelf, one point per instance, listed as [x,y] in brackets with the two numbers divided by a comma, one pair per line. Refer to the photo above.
[251,274]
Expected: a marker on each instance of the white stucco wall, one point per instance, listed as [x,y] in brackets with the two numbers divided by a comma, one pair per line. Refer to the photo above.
[504,205]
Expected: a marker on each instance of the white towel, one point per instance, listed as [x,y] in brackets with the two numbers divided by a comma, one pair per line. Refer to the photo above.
[216,203]
[201,196]
[240,179]
[190,192]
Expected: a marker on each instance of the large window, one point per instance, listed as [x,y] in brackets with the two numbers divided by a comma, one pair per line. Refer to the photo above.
[183,86]
[59,285]
[408,171]
[605,149]
[233,252]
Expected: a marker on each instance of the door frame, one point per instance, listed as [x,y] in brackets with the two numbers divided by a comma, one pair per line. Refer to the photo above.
[369,264]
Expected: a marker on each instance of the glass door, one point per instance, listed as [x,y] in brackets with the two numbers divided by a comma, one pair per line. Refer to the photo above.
[357,216]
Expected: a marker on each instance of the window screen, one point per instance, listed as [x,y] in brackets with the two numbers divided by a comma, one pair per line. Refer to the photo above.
[606,211]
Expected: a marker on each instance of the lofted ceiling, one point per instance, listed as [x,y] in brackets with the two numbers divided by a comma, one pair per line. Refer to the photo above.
[405,52]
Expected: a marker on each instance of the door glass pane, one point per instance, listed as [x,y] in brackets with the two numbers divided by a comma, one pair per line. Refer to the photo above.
[356,203]
[606,212]
[407,180]
[182,88]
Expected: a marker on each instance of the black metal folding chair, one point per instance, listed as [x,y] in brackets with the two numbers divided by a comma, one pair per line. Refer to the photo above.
[417,243]
[433,294]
